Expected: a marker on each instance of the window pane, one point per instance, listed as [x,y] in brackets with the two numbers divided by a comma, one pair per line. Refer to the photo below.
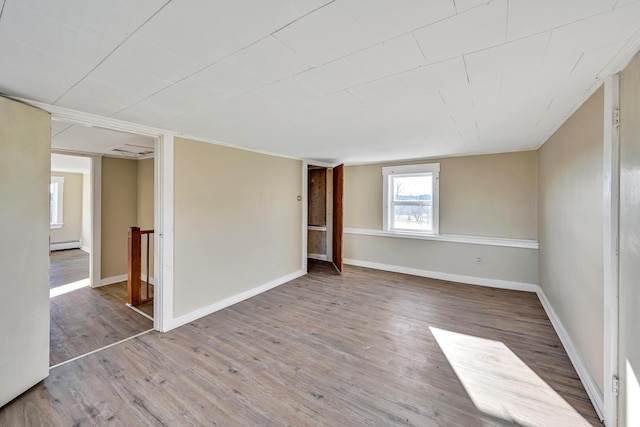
[53,205]
[412,217]
[412,188]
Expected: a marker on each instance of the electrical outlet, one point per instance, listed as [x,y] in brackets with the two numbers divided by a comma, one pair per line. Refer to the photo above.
[479,260]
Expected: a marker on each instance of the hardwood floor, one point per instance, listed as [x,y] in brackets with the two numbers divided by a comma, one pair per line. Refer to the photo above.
[68,266]
[87,319]
[365,348]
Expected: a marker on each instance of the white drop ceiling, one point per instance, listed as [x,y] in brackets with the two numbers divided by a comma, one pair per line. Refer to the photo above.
[340,80]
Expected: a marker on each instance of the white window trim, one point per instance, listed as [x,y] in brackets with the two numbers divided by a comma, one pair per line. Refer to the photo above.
[387,172]
[59,205]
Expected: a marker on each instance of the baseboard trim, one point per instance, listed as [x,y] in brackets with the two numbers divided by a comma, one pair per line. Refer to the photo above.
[114,279]
[597,400]
[320,257]
[152,280]
[69,244]
[86,249]
[205,311]
[469,280]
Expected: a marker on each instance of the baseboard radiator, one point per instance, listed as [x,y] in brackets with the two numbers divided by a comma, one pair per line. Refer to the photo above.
[67,244]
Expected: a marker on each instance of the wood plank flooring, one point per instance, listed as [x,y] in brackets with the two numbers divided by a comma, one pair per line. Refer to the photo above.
[68,266]
[365,348]
[88,319]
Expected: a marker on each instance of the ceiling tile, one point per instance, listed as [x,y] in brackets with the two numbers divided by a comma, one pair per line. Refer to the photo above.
[111,21]
[205,31]
[475,29]
[152,60]
[462,5]
[592,33]
[387,20]
[131,83]
[425,78]
[35,74]
[513,55]
[327,34]
[194,91]
[270,60]
[527,18]
[228,79]
[381,60]
[288,91]
[46,34]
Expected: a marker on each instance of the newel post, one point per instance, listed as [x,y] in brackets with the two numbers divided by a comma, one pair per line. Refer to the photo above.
[135,268]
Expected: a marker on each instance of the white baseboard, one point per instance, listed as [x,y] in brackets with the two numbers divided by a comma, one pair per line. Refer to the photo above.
[320,257]
[597,400]
[469,280]
[114,279]
[69,244]
[86,249]
[204,311]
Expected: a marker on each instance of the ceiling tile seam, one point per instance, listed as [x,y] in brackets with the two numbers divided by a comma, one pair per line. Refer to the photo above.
[576,64]
[546,48]
[2,9]
[455,6]
[413,34]
[112,51]
[466,70]
[302,17]
[506,22]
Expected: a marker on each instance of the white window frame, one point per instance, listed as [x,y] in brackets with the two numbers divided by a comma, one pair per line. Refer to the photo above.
[59,181]
[432,169]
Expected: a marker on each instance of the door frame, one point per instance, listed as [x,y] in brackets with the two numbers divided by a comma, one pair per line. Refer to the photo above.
[305,210]
[163,201]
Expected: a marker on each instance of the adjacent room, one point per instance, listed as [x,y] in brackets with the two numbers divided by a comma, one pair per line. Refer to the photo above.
[320,212]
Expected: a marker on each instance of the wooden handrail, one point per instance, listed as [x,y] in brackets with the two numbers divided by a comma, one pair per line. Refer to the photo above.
[134,280]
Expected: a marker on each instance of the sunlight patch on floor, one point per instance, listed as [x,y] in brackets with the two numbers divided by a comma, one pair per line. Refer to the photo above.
[502,385]
[61,290]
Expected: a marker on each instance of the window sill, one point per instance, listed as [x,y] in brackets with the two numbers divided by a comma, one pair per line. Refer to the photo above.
[474,240]
[55,226]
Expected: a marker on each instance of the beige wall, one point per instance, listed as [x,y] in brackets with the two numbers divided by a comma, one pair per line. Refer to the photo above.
[71,208]
[86,211]
[145,209]
[629,363]
[491,195]
[119,212]
[25,144]
[571,229]
[237,222]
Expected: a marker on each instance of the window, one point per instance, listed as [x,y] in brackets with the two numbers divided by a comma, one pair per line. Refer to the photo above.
[56,192]
[411,198]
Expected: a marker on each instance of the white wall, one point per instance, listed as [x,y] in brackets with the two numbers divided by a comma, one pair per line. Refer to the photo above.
[25,165]
[491,196]
[571,230]
[237,223]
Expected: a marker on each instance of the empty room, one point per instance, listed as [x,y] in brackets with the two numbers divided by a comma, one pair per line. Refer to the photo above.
[357,212]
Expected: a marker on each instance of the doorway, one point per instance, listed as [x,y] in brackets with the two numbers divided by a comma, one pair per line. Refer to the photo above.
[324,214]
[91,313]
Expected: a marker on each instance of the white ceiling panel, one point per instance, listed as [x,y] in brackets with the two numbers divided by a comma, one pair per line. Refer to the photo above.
[111,21]
[532,17]
[384,59]
[588,34]
[425,78]
[387,20]
[341,79]
[327,34]
[152,60]
[43,33]
[207,31]
[475,29]
[510,56]
[97,140]
[70,164]
[288,91]
[28,66]
[228,79]
[270,60]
